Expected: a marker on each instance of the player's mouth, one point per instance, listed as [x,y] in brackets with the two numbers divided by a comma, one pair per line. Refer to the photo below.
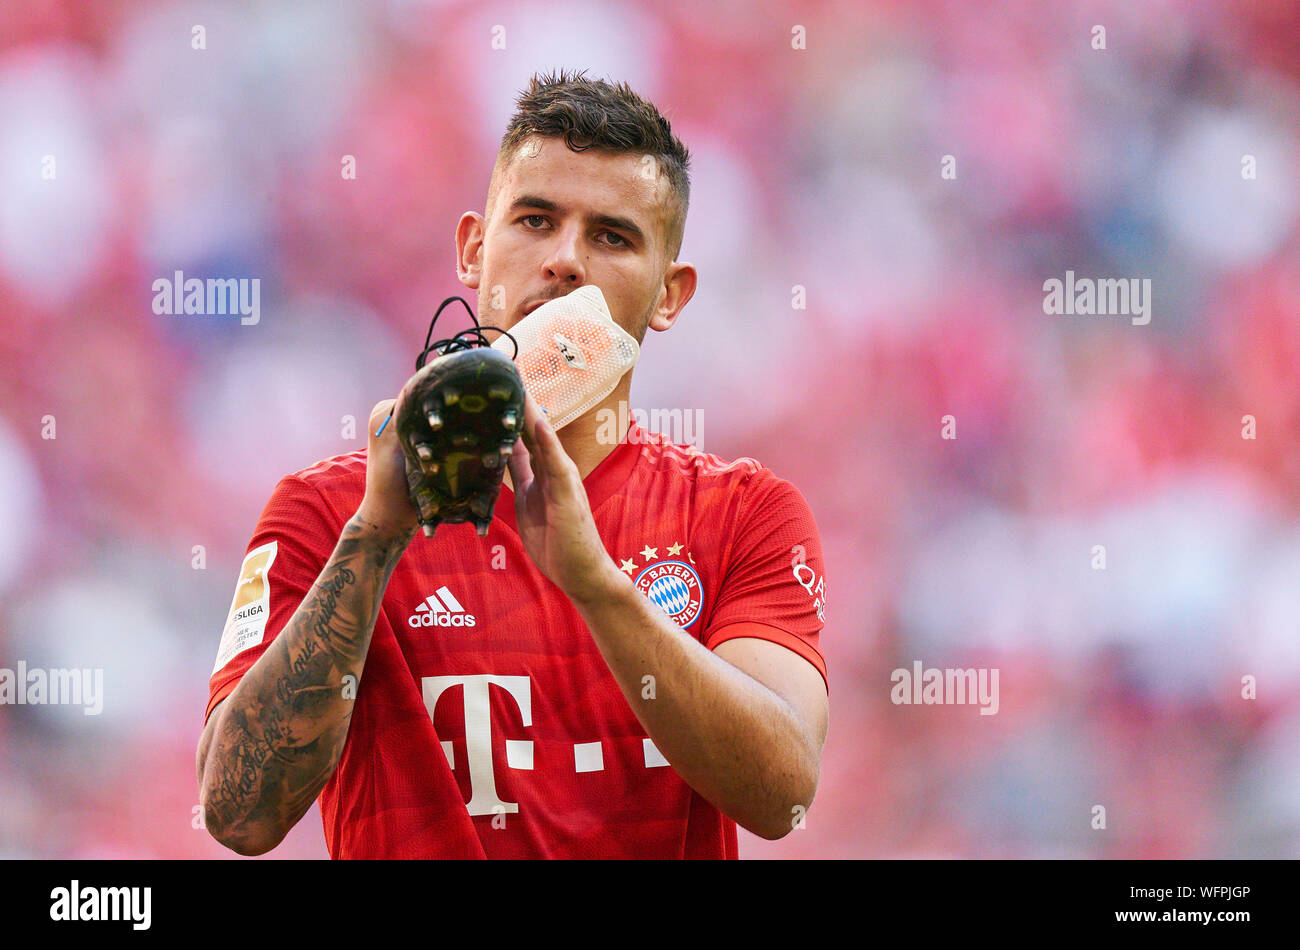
[530,307]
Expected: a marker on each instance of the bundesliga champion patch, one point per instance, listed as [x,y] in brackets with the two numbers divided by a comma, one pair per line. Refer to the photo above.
[251,608]
[674,587]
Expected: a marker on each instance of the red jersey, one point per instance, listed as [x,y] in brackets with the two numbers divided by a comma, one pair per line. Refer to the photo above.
[486,723]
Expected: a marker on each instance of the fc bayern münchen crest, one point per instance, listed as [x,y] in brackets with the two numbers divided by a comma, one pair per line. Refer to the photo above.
[675,588]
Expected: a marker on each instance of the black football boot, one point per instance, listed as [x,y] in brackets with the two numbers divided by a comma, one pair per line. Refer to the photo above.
[458,425]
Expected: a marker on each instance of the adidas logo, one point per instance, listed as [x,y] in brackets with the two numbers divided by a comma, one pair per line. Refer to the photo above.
[441,609]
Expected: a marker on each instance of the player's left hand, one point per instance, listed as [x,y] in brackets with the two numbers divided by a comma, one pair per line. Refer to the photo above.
[552,512]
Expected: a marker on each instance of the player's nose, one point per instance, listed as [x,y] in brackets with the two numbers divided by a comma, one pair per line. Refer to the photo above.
[564,260]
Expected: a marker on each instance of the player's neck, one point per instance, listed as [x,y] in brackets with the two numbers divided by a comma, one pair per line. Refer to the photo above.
[590,438]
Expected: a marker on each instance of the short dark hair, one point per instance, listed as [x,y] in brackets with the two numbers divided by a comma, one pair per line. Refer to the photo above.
[592,113]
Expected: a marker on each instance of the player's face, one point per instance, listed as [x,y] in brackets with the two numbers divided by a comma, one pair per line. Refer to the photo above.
[562,219]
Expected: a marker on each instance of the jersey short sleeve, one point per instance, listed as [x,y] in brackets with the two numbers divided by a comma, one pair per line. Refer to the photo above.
[773,586]
[294,537]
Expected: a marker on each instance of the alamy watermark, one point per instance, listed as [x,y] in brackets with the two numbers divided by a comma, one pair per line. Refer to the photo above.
[54,687]
[680,426]
[212,297]
[1126,296]
[945,687]
[76,903]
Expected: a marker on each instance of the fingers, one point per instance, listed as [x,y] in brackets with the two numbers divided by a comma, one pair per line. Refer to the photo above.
[530,465]
[387,502]
[520,465]
[542,442]
[531,414]
[380,413]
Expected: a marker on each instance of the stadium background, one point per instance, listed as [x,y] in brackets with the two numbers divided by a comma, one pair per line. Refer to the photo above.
[817,167]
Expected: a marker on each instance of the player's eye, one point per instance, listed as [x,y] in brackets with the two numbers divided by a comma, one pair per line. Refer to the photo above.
[534,220]
[617,239]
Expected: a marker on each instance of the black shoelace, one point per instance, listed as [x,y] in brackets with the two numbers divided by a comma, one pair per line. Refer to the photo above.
[466,339]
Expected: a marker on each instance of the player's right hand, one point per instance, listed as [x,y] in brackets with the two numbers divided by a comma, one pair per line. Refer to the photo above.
[387,504]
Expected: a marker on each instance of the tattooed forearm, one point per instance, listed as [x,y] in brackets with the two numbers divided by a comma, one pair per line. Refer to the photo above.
[278,736]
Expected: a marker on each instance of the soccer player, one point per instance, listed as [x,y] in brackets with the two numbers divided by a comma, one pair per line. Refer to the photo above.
[626,666]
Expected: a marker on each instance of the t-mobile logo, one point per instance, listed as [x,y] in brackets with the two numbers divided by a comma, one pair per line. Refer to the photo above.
[478,733]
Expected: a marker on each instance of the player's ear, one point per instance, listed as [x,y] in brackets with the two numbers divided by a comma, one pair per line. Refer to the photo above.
[469,249]
[679,286]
